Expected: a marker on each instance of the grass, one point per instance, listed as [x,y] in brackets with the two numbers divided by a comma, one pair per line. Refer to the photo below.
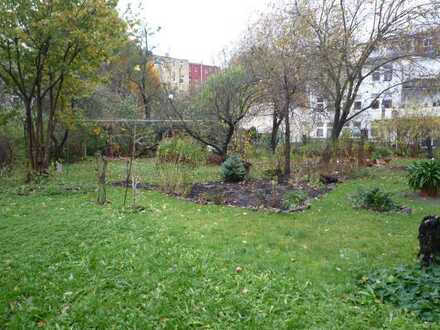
[67,263]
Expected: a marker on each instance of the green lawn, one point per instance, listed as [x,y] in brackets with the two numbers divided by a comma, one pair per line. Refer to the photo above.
[67,263]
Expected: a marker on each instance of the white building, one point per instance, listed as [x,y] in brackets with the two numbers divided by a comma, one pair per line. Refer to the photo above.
[388,91]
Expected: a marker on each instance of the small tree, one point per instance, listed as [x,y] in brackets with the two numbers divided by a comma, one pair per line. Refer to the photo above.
[273,53]
[214,114]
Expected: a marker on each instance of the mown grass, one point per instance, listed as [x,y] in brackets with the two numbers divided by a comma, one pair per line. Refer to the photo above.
[67,263]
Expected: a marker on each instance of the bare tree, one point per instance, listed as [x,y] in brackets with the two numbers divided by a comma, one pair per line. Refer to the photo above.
[353,40]
[273,53]
[214,114]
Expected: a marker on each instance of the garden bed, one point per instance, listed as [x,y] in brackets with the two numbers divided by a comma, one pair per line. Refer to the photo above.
[259,194]
[262,194]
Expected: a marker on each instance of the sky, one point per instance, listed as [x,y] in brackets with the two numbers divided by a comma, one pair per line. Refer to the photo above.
[197,30]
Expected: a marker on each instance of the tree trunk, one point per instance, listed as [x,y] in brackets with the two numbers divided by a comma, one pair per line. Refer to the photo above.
[29,135]
[229,135]
[336,132]
[147,112]
[274,134]
[101,169]
[429,150]
[287,144]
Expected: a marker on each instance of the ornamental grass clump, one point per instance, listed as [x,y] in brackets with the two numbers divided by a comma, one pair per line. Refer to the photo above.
[424,176]
[374,199]
[233,169]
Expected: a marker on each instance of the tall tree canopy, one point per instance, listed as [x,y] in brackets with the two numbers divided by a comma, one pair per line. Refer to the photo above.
[46,46]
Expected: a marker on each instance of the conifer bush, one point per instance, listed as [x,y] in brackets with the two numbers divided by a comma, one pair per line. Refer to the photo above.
[233,169]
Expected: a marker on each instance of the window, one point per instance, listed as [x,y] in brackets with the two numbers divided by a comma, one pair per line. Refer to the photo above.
[320,124]
[388,73]
[358,105]
[376,76]
[357,124]
[329,132]
[320,132]
[319,104]
[427,44]
[387,104]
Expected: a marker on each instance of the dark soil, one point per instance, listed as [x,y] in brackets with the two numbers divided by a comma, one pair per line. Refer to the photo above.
[261,194]
[253,194]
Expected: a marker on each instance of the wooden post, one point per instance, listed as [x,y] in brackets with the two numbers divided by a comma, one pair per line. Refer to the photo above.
[101,169]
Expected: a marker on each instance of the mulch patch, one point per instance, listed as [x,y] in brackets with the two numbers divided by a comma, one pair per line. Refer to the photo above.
[259,194]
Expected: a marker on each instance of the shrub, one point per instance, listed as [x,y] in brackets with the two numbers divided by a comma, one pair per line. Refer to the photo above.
[233,169]
[180,150]
[294,199]
[381,153]
[174,179]
[413,289]
[374,199]
[424,175]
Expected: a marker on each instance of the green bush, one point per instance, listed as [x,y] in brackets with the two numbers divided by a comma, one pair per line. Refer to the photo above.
[412,288]
[294,199]
[374,199]
[174,178]
[233,169]
[424,175]
[181,150]
[381,153]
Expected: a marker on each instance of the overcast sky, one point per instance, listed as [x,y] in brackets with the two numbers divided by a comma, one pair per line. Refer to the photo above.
[197,30]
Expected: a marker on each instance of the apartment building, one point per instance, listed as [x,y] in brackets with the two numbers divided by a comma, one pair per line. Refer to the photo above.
[181,75]
[174,72]
[199,73]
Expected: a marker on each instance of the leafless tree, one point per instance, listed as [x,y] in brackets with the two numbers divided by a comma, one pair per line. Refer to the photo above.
[355,39]
[273,52]
[214,114]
